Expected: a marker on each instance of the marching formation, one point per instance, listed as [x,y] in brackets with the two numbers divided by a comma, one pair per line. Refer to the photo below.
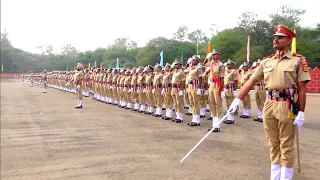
[279,83]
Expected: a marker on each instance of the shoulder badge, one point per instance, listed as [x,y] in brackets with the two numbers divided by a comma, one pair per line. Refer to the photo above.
[303,62]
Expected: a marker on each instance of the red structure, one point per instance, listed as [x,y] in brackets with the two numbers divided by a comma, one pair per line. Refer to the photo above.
[312,87]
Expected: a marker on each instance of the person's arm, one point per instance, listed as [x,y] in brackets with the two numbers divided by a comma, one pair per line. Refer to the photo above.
[302,95]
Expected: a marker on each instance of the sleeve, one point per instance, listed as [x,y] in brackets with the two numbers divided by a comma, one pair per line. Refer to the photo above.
[303,73]
[200,72]
[183,77]
[235,75]
[258,74]
[222,71]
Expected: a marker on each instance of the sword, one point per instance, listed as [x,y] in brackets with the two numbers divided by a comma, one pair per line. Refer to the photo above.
[204,137]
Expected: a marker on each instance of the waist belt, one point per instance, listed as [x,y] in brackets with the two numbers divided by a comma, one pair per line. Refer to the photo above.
[281,95]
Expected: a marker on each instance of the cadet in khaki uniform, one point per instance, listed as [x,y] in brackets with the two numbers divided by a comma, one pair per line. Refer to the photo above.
[114,87]
[260,93]
[142,89]
[121,88]
[178,87]
[31,77]
[44,79]
[127,89]
[134,88]
[204,94]
[77,80]
[216,72]
[285,74]
[149,87]
[194,90]
[157,85]
[186,97]
[86,83]
[246,101]
[166,92]
[108,88]
[230,87]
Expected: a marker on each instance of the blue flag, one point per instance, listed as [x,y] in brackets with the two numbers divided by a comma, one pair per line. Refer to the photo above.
[118,63]
[161,59]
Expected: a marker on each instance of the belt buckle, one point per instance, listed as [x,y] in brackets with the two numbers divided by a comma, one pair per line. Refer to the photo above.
[275,94]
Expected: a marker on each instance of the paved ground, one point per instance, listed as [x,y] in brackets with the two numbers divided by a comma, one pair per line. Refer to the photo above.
[43,137]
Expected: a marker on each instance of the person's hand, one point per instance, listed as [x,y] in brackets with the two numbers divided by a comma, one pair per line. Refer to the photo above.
[222,94]
[234,105]
[180,93]
[199,92]
[299,120]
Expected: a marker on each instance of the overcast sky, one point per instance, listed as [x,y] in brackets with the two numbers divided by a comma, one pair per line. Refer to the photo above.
[89,24]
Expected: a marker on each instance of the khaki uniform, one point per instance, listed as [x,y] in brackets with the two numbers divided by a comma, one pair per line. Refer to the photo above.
[166,92]
[195,73]
[204,96]
[157,85]
[230,86]
[149,87]
[44,79]
[134,93]
[260,96]
[178,78]
[78,78]
[281,75]
[127,91]
[217,69]
[114,88]
[246,101]
[142,91]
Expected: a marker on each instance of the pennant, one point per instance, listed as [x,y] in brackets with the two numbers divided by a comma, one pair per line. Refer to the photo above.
[209,48]
[182,58]
[95,64]
[101,64]
[161,58]
[294,44]
[89,66]
[118,63]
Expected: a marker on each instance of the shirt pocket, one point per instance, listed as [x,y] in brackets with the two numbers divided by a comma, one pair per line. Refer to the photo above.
[289,74]
[267,73]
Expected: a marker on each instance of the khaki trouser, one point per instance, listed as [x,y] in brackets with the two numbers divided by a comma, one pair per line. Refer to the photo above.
[142,97]
[280,133]
[114,93]
[246,102]
[186,98]
[194,100]
[168,99]
[229,97]
[177,100]
[150,98]
[127,95]
[79,93]
[203,100]
[215,102]
[260,98]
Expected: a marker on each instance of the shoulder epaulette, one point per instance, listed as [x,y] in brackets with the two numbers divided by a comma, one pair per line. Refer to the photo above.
[297,55]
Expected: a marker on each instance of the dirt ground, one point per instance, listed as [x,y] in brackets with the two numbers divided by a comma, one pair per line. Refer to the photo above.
[44,137]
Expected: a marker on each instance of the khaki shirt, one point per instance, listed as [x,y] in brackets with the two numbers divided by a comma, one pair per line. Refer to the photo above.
[282,73]
[195,72]
[245,77]
[218,69]
[114,79]
[167,77]
[178,77]
[157,80]
[127,80]
[149,80]
[230,76]
[78,77]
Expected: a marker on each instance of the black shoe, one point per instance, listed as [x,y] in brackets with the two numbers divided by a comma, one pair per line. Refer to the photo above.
[202,116]
[163,108]
[167,118]
[193,124]
[78,107]
[229,122]
[179,121]
[207,110]
[260,120]
[186,107]
[188,114]
[224,121]
[157,115]
[215,130]
[209,118]
[256,119]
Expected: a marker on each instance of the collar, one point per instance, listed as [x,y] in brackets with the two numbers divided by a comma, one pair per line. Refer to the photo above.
[282,54]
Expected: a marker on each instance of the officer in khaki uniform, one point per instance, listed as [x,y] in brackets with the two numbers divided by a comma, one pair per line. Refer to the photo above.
[216,72]
[246,74]
[114,99]
[166,92]
[127,89]
[260,93]
[178,87]
[194,90]
[285,75]
[186,97]
[142,88]
[157,89]
[204,94]
[134,88]
[44,79]
[149,87]
[77,80]
[230,87]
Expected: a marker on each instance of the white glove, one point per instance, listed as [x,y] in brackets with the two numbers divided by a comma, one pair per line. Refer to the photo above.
[153,91]
[222,94]
[144,90]
[207,69]
[299,120]
[180,93]
[234,105]
[198,92]
[186,70]
[206,92]
[68,84]
[130,90]
[110,87]
[250,92]
[234,93]
[162,91]
[78,87]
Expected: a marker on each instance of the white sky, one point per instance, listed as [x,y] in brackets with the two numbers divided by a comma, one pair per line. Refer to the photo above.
[89,24]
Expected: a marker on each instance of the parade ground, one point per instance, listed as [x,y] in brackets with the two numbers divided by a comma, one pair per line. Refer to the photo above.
[44,138]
